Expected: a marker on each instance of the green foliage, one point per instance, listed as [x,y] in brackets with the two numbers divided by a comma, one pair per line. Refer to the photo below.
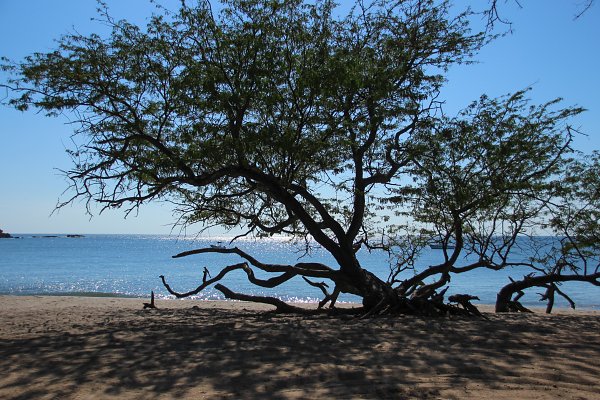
[576,217]
[189,106]
[486,177]
[279,116]
[481,161]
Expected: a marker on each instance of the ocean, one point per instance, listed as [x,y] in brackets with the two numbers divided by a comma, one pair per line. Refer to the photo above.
[130,265]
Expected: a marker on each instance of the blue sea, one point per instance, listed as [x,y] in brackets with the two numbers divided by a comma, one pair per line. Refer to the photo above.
[130,265]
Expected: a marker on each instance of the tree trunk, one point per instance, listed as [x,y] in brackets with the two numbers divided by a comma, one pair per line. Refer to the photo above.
[503,299]
[376,291]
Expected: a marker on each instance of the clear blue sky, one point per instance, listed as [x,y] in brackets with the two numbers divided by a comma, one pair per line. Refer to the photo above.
[558,56]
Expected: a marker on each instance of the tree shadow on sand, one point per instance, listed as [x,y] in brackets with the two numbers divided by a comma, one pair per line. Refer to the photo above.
[240,354]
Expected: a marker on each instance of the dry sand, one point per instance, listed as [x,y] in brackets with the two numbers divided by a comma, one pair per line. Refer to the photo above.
[84,348]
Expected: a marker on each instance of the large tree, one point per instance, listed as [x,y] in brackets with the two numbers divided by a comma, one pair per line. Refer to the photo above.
[283,117]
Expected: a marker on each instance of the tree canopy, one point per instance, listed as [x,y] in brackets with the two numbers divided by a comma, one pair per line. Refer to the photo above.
[288,117]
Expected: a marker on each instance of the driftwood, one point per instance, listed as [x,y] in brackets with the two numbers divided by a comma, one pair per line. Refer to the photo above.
[465,301]
[151,304]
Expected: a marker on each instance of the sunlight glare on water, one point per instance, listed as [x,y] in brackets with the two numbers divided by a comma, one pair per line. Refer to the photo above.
[130,265]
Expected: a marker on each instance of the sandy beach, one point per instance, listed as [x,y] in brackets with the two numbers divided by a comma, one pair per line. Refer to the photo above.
[84,348]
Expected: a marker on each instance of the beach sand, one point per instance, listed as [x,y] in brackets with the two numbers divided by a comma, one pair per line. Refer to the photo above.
[86,348]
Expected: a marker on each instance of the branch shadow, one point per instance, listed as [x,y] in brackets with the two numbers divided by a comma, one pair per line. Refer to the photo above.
[182,353]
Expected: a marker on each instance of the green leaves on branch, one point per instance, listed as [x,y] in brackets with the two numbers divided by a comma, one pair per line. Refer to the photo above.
[250,108]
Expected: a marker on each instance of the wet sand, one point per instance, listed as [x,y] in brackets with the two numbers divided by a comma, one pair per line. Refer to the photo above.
[80,347]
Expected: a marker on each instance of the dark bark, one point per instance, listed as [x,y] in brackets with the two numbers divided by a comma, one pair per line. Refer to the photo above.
[280,305]
[465,301]
[351,278]
[378,297]
[503,299]
[151,304]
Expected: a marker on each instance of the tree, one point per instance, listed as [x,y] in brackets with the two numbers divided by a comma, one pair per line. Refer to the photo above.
[478,191]
[279,117]
[574,254]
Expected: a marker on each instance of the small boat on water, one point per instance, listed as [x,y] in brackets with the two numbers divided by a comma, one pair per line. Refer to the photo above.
[218,246]
[441,246]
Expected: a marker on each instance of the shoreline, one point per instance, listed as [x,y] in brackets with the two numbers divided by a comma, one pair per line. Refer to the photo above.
[105,347]
[484,307]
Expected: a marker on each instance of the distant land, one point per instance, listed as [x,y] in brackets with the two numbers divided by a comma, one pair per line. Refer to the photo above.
[4,235]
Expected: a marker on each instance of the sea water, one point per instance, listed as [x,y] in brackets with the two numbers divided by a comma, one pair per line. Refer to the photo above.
[130,265]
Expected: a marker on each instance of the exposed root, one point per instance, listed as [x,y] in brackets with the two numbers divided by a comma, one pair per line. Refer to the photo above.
[151,304]
[379,298]
[516,306]
[281,306]
[465,301]
[328,297]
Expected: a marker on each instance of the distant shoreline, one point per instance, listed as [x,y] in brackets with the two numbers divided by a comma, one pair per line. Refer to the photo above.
[74,294]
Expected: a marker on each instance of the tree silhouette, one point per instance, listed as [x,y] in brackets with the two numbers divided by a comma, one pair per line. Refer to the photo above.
[283,117]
